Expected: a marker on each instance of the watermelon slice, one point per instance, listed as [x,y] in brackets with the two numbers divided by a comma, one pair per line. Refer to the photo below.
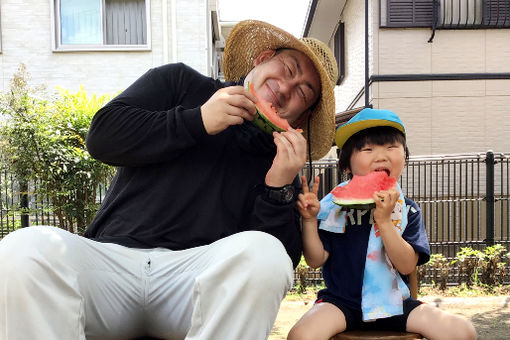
[267,118]
[357,194]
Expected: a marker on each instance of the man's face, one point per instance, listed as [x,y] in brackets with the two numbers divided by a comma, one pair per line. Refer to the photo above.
[288,80]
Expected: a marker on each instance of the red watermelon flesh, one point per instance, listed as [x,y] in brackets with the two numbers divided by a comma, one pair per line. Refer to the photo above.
[359,192]
[267,118]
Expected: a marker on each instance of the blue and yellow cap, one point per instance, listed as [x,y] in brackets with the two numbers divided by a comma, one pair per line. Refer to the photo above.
[365,119]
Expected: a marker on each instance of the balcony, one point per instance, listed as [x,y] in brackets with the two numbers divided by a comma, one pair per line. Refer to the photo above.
[446,14]
[470,14]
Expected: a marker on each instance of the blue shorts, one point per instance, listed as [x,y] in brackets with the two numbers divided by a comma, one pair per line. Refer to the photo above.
[354,317]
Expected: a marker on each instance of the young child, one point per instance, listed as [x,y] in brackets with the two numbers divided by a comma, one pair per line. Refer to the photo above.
[359,266]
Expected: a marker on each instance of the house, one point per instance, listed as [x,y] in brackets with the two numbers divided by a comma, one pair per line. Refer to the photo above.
[442,65]
[104,45]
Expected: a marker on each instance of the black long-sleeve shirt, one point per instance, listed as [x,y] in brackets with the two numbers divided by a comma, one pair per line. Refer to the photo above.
[176,186]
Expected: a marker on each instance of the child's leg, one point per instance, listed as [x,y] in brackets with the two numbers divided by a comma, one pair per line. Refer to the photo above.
[321,322]
[433,323]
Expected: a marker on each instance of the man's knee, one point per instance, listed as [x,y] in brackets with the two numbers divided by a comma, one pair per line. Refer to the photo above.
[263,259]
[25,252]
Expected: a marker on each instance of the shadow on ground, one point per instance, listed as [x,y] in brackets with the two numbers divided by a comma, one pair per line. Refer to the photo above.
[492,325]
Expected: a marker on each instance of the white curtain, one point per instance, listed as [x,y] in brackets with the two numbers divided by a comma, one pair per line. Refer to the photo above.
[80,22]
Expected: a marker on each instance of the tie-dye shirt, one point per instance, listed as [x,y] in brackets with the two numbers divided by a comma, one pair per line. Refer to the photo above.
[343,271]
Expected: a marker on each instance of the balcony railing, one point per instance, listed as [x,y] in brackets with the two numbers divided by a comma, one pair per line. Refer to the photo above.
[471,14]
[446,14]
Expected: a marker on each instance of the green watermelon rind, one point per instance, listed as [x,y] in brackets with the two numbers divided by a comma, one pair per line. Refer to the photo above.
[263,123]
[358,205]
[365,202]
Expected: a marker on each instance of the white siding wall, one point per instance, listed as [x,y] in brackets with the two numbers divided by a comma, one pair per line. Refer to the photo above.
[440,116]
[26,38]
[455,117]
[353,18]
[447,116]
[192,34]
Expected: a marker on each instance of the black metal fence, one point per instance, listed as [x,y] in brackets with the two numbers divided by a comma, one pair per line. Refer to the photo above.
[20,206]
[464,198]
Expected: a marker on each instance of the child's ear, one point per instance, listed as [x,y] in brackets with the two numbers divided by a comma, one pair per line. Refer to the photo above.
[348,172]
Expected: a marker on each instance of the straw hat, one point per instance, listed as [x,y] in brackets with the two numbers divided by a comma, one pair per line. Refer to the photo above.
[250,37]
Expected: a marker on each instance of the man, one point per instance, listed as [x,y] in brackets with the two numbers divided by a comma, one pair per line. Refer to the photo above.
[199,232]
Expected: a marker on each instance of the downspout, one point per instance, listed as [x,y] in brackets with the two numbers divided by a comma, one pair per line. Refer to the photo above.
[311,13]
[367,76]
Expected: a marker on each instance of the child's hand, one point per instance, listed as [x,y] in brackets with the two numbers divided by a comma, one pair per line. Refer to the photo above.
[308,204]
[385,201]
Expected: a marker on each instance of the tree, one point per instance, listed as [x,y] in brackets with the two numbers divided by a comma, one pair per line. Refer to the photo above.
[44,141]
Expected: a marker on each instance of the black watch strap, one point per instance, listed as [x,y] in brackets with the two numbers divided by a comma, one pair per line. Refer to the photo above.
[280,195]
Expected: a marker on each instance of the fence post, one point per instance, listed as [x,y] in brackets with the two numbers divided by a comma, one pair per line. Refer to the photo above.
[338,172]
[23,202]
[489,198]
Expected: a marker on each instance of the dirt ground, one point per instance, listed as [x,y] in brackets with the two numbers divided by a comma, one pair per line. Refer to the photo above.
[489,314]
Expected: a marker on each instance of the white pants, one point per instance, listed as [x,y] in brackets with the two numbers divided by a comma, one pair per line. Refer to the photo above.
[57,285]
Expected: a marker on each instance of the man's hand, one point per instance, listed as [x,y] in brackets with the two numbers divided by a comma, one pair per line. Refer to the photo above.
[308,204]
[228,106]
[290,158]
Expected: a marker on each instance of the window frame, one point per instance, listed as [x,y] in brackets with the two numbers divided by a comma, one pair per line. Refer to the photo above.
[57,34]
[339,51]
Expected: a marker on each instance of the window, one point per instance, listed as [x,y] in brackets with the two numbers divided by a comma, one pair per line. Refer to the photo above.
[410,13]
[446,13]
[340,51]
[101,24]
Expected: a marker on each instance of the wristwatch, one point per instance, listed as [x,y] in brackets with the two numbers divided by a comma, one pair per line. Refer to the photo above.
[280,195]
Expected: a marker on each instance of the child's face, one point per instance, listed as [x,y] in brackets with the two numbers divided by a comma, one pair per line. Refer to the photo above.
[389,157]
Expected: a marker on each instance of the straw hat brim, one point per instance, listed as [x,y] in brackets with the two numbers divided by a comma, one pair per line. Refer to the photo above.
[247,40]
